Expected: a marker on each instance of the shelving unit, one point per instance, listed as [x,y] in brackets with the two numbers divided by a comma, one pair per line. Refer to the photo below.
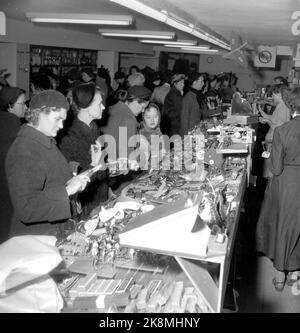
[61,60]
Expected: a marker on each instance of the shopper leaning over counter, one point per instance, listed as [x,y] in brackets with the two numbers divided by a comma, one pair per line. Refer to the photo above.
[76,145]
[40,181]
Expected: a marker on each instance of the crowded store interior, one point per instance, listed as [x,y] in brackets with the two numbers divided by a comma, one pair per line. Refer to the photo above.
[149,156]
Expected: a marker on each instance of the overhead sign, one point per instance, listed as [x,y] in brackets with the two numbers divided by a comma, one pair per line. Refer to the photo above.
[296,25]
[265,56]
[2,24]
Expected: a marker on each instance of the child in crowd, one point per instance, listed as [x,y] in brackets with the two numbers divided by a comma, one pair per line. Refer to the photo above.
[151,134]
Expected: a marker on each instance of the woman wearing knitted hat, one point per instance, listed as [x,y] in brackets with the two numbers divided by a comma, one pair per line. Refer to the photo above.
[83,133]
[12,108]
[40,181]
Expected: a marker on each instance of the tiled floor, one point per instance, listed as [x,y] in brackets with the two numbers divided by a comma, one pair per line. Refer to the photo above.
[254,273]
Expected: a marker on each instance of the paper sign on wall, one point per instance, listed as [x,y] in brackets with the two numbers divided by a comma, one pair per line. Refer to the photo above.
[265,57]
[2,24]
[297,58]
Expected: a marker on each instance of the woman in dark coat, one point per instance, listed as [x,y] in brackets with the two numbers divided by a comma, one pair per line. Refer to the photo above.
[171,115]
[40,181]
[12,108]
[76,145]
[278,229]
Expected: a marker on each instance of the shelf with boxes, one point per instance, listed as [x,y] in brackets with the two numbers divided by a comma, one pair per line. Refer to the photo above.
[60,60]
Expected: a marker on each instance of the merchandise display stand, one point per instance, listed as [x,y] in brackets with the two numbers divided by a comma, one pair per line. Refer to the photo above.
[219,254]
[218,258]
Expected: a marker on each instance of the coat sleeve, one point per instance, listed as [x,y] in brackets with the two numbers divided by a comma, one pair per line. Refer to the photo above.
[185,115]
[277,154]
[32,201]
[131,131]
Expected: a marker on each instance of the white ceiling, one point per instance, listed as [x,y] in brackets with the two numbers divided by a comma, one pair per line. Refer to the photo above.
[257,21]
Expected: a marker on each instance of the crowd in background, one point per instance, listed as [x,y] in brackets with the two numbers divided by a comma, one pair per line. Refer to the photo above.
[143,101]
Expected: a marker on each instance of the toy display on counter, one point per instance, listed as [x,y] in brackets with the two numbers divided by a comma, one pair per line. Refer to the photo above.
[111,277]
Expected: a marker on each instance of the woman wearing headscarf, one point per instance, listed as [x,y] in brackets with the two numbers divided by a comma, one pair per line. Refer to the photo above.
[84,132]
[12,109]
[40,181]
[278,229]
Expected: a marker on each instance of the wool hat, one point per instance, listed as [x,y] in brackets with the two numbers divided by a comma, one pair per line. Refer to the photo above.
[177,77]
[140,92]
[9,95]
[49,98]
[119,75]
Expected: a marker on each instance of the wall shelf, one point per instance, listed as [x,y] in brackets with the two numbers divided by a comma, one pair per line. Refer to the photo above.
[60,60]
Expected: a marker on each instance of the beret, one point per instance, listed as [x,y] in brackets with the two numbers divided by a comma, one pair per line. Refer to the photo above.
[49,98]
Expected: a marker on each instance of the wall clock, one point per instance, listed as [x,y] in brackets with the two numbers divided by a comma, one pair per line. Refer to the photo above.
[210,60]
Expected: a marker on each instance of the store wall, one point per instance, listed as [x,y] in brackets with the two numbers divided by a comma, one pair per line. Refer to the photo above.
[247,77]
[28,33]
[109,59]
[8,60]
[128,60]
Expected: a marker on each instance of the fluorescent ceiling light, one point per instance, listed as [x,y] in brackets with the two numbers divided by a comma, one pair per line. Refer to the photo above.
[177,42]
[80,18]
[137,33]
[191,48]
[171,45]
[174,22]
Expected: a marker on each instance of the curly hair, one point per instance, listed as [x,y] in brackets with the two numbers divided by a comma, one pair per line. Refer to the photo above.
[136,79]
[284,91]
[294,99]
[32,115]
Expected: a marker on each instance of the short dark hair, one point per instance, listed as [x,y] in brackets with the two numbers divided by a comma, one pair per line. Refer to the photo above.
[40,81]
[194,77]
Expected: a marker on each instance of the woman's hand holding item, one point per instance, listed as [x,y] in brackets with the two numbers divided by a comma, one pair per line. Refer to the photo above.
[263,120]
[77,184]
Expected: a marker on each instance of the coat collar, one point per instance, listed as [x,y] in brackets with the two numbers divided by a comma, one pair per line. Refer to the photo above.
[81,129]
[32,133]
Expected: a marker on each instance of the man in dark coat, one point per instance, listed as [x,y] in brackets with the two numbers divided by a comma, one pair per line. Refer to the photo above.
[191,112]
[170,122]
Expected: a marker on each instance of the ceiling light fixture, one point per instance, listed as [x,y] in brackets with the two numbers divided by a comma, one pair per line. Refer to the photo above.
[177,42]
[173,21]
[80,18]
[191,48]
[137,33]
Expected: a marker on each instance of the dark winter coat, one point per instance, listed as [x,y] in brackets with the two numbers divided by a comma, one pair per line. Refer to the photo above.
[37,174]
[190,113]
[171,115]
[120,116]
[75,146]
[9,128]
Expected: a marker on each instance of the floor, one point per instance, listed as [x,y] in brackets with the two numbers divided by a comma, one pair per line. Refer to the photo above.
[253,272]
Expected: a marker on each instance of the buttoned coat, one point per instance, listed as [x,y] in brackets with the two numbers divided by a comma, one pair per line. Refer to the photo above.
[37,174]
